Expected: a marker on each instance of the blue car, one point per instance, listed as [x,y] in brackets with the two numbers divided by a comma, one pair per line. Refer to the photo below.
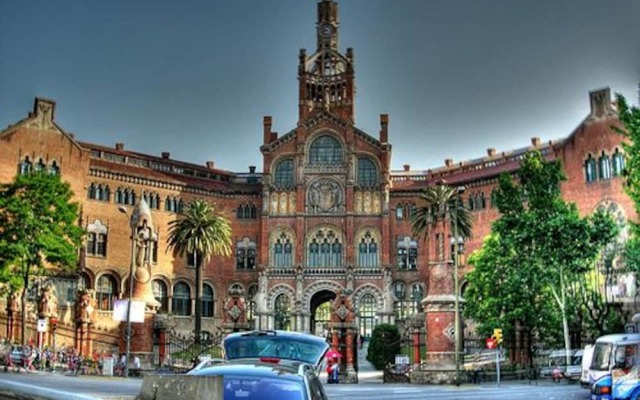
[266,379]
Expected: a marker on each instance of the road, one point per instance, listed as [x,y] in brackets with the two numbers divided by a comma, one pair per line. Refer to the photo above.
[64,387]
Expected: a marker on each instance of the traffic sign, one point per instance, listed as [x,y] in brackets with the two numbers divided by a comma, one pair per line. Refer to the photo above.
[491,344]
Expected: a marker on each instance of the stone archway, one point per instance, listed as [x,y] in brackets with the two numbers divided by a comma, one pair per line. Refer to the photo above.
[320,311]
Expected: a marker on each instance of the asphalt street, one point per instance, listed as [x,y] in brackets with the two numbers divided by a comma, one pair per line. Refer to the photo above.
[59,386]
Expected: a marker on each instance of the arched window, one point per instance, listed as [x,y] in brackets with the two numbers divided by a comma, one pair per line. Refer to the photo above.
[105,292]
[324,250]
[367,251]
[367,172]
[246,254]
[618,162]
[493,201]
[401,306]
[251,305]
[282,312]
[407,254]
[604,165]
[40,166]
[590,169]
[161,294]
[97,239]
[26,166]
[246,211]
[417,293]
[325,150]
[54,169]
[181,299]
[367,310]
[283,176]
[207,301]
[282,250]
[152,200]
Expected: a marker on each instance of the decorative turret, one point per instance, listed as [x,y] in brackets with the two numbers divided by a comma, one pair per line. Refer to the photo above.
[326,78]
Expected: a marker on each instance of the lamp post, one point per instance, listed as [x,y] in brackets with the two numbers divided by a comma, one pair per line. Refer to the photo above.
[133,222]
[457,246]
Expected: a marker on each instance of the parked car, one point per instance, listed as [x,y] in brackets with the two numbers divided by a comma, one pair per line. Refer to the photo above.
[285,346]
[206,362]
[266,379]
[557,361]
[19,356]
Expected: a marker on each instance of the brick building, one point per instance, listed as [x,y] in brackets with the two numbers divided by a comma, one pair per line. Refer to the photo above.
[326,216]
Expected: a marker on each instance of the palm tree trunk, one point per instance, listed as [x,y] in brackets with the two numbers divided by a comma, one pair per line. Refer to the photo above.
[23,315]
[198,311]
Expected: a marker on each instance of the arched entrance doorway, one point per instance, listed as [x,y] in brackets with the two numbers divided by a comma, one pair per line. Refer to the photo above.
[320,308]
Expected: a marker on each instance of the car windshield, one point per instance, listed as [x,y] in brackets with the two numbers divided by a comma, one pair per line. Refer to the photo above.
[601,357]
[245,388]
[299,347]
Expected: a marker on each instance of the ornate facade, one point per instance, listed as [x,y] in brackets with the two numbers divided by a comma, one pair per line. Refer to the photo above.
[325,218]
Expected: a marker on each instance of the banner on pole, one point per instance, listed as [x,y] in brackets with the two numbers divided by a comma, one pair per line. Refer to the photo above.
[120,311]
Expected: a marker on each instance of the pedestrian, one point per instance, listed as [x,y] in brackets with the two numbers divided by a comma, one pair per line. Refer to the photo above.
[360,341]
[335,371]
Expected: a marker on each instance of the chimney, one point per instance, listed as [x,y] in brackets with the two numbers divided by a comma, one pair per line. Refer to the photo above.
[210,164]
[165,155]
[252,169]
[535,141]
[119,146]
[491,152]
[266,122]
[600,102]
[274,136]
[406,167]
[384,123]
[448,162]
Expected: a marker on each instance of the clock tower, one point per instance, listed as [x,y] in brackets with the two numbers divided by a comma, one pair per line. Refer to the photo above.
[326,77]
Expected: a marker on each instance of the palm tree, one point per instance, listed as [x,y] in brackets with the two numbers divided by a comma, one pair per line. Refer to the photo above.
[442,203]
[202,232]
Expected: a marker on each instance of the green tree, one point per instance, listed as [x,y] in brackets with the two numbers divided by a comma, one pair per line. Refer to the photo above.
[630,119]
[384,345]
[40,232]
[539,247]
[203,233]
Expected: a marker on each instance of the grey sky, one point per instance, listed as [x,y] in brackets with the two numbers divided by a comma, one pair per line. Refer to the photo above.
[196,77]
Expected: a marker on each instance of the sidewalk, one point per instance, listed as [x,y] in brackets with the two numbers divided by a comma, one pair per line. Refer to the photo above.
[366,372]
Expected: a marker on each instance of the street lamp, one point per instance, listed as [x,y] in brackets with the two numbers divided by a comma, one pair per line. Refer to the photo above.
[457,247]
[133,222]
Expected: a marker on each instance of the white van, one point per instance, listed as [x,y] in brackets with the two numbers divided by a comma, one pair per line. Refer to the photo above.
[587,356]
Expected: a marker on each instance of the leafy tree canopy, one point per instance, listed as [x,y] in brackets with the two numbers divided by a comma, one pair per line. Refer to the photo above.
[39,225]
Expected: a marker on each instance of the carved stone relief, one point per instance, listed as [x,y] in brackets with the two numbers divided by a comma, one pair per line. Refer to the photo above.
[325,196]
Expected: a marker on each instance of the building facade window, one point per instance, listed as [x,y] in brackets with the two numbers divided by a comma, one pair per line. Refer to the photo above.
[54,169]
[367,173]
[282,250]
[604,166]
[324,249]
[152,200]
[617,162]
[401,307]
[99,192]
[407,254]
[325,150]
[173,204]
[26,166]
[282,312]
[368,251]
[207,301]
[251,305]
[367,309]
[105,293]
[125,196]
[247,211]
[283,175]
[405,211]
[161,294]
[97,239]
[246,254]
[40,166]
[192,259]
[590,169]
[417,294]
[181,304]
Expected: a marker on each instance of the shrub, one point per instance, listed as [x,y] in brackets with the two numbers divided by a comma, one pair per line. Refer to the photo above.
[384,345]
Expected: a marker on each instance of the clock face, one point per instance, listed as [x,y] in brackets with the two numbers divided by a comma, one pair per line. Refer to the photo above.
[326,30]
